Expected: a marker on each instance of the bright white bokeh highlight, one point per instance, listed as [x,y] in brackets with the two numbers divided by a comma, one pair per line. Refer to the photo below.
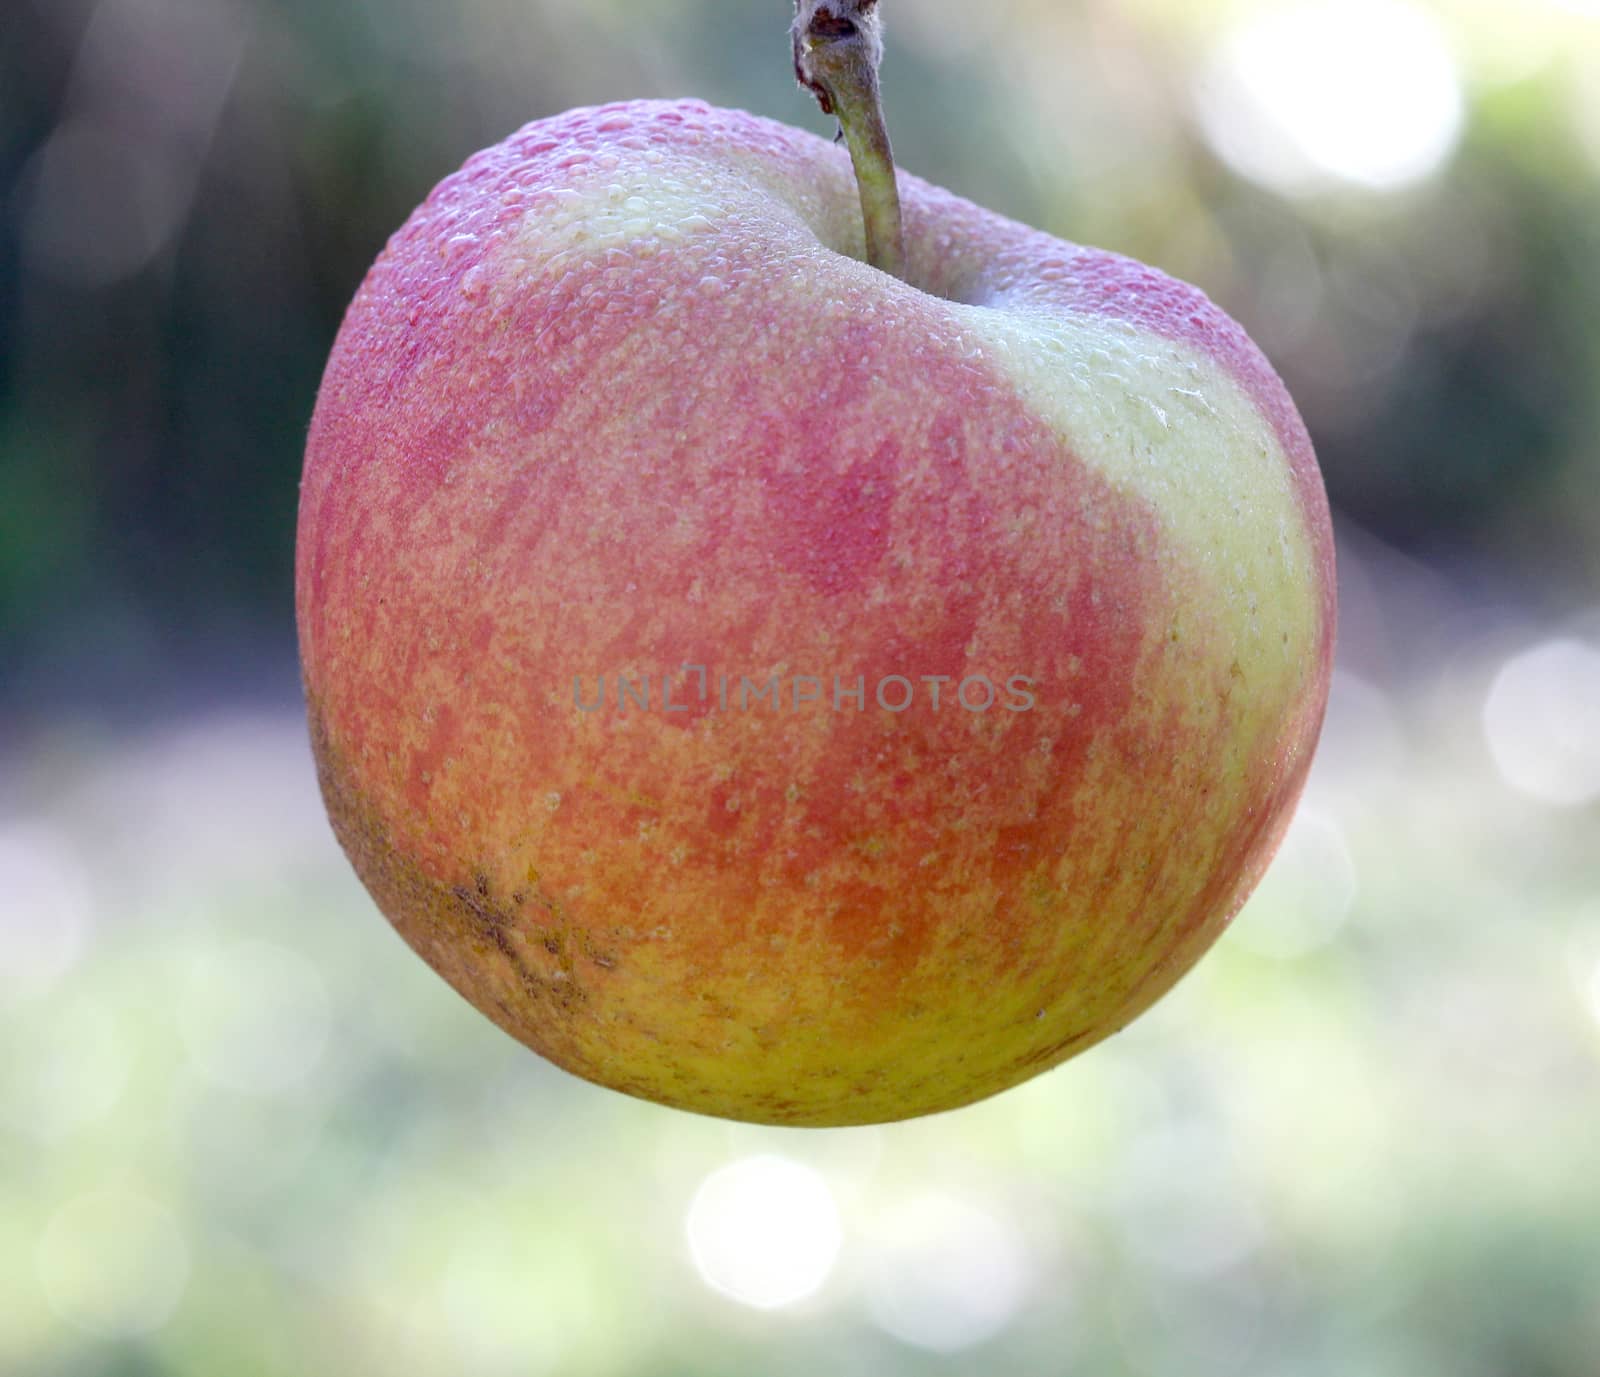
[946,1275]
[765,1231]
[1305,896]
[1594,993]
[254,1017]
[113,1263]
[1542,722]
[1306,96]
[45,910]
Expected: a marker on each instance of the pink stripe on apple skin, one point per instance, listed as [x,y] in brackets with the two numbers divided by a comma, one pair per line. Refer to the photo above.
[500,494]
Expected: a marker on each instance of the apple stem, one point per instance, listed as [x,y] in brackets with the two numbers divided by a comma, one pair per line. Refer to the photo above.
[838,48]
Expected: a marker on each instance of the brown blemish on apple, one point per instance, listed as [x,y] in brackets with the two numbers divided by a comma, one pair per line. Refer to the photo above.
[456,929]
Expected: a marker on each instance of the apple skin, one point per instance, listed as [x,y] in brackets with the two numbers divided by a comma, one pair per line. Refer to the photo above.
[621,397]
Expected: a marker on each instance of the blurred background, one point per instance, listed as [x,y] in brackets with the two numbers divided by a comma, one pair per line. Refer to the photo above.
[242,1130]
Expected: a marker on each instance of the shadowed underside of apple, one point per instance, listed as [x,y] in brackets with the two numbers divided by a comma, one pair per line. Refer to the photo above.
[622,398]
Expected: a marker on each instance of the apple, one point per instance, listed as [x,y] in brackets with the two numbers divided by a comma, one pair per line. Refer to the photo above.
[776,689]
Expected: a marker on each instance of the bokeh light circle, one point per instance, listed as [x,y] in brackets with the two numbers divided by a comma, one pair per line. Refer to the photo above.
[73,1075]
[764,1231]
[1363,93]
[113,1263]
[254,1016]
[1542,722]
[45,909]
[946,1275]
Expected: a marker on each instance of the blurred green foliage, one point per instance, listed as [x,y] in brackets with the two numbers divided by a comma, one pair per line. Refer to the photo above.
[244,1131]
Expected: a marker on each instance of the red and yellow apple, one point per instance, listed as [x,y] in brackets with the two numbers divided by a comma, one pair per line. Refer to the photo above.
[620,432]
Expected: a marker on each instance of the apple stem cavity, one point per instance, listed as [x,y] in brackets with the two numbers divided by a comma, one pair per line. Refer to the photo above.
[838,48]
